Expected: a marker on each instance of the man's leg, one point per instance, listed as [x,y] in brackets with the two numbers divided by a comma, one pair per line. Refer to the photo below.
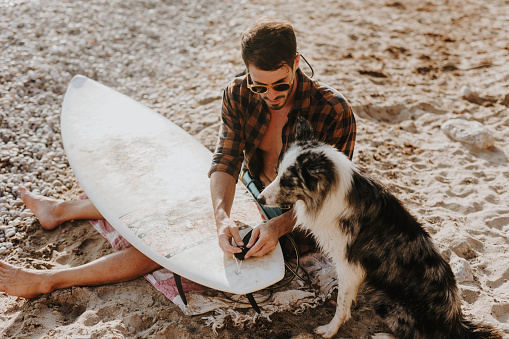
[120,266]
[52,212]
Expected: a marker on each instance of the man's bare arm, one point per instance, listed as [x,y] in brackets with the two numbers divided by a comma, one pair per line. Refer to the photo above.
[222,190]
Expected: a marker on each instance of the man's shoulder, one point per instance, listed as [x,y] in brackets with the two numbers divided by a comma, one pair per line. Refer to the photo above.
[327,94]
[237,83]
[326,99]
[236,91]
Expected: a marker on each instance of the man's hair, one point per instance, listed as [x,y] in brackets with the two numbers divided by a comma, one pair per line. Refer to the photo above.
[269,44]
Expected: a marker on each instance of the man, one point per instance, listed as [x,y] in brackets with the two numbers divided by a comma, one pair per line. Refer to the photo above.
[259,113]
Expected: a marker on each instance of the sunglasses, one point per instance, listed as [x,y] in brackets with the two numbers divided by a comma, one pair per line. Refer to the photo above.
[260,89]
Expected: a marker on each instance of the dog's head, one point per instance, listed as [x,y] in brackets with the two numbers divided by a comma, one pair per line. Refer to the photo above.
[306,172]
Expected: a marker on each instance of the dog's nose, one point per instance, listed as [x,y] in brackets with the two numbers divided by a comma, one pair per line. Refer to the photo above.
[261,199]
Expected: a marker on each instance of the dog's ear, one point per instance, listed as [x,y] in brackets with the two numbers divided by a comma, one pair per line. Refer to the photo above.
[312,170]
[310,180]
[303,130]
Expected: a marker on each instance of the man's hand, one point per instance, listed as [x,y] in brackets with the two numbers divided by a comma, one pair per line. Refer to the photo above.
[265,237]
[225,232]
[263,240]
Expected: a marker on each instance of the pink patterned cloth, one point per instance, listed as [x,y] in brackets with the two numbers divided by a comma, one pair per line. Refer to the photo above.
[162,279]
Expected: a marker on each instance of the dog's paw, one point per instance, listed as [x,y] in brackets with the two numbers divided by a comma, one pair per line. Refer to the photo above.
[327,331]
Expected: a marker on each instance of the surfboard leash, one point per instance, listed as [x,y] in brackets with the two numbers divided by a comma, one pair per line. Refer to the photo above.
[280,284]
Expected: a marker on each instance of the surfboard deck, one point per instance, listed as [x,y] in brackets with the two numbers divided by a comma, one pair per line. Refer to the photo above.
[148,178]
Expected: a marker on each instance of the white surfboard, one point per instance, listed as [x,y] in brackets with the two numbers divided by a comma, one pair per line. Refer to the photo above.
[148,178]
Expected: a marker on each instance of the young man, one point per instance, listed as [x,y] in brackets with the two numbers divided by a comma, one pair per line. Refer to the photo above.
[259,113]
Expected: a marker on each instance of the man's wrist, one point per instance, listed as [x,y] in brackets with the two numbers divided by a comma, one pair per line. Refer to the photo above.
[286,223]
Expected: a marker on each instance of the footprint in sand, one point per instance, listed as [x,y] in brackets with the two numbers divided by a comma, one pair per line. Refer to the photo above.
[498,222]
[501,312]
[501,280]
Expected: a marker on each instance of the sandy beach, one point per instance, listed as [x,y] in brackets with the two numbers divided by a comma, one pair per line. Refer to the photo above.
[409,68]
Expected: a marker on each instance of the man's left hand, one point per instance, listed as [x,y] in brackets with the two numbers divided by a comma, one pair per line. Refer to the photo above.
[265,237]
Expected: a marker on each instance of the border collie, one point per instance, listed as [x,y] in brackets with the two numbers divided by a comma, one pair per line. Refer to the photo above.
[372,240]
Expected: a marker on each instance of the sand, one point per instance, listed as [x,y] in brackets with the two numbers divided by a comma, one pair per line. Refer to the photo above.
[401,64]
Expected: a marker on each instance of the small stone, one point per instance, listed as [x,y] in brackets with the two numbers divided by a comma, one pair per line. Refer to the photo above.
[7,244]
[461,269]
[57,183]
[10,233]
[3,249]
[472,133]
[465,91]
[26,214]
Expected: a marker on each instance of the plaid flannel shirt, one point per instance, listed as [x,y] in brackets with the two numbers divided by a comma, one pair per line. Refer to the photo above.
[245,118]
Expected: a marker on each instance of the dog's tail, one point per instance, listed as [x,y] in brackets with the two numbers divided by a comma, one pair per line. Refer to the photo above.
[472,330]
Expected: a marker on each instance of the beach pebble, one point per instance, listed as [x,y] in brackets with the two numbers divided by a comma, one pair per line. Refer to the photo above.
[26,214]
[461,269]
[10,233]
[465,91]
[472,133]
[57,183]
[3,249]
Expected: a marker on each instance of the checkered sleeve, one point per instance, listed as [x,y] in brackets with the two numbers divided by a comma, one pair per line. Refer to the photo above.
[341,128]
[344,133]
[228,155]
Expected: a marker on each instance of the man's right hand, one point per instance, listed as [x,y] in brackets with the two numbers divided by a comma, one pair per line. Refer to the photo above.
[222,189]
[225,232]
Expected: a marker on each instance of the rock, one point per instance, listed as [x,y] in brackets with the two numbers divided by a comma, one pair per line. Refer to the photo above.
[57,183]
[26,214]
[461,269]
[3,249]
[472,133]
[465,91]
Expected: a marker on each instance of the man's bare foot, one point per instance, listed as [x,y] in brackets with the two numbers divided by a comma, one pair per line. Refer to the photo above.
[22,282]
[47,210]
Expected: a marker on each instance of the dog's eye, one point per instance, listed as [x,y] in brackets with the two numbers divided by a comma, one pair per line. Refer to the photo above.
[286,181]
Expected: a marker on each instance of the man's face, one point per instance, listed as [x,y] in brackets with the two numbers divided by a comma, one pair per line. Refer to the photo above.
[275,100]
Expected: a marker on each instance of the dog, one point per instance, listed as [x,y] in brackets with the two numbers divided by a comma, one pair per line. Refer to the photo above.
[372,240]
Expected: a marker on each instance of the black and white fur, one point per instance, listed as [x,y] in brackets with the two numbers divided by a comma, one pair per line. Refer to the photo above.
[372,240]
